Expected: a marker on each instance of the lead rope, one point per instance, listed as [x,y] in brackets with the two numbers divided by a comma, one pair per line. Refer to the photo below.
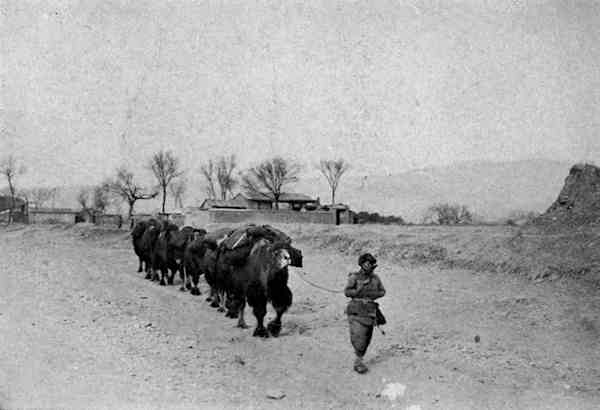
[328,290]
[316,285]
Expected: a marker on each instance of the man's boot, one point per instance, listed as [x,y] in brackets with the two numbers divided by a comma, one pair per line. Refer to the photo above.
[359,366]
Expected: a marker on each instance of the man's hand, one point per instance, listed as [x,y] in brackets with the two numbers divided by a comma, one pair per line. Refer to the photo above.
[361,283]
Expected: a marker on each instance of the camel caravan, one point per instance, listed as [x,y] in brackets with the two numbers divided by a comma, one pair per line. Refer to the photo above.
[243,265]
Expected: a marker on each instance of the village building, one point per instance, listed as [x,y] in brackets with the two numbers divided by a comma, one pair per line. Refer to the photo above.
[287,201]
[5,202]
[223,204]
[19,208]
[262,207]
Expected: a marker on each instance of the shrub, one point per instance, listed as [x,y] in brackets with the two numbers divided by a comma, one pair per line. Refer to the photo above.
[364,217]
[448,214]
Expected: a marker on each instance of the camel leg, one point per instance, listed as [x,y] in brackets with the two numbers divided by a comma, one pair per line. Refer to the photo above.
[257,298]
[155,267]
[222,301]
[148,270]
[188,281]
[241,322]
[171,275]
[214,297]
[193,284]
[163,273]
[182,276]
[281,302]
[234,303]
[259,312]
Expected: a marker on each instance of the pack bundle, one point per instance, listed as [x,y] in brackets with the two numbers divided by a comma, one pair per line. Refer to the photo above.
[269,233]
[237,246]
[250,233]
[215,238]
[238,238]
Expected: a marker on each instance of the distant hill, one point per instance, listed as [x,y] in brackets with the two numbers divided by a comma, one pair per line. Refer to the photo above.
[490,189]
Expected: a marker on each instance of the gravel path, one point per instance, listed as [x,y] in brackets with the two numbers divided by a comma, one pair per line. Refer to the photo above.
[79,328]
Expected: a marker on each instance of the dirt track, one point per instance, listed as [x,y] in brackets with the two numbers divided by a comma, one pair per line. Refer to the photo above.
[79,328]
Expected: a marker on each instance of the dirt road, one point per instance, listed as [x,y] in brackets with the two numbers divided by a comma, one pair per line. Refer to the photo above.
[79,328]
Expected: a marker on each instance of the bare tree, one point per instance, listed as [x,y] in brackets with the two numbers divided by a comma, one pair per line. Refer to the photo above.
[11,169]
[448,214]
[94,198]
[83,199]
[225,178]
[125,187]
[39,197]
[220,173]
[177,190]
[165,167]
[271,175]
[333,170]
[209,171]
[101,199]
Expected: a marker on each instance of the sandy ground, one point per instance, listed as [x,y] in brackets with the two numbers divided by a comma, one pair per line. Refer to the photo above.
[79,328]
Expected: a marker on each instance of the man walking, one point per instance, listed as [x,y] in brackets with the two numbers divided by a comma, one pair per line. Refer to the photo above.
[363,287]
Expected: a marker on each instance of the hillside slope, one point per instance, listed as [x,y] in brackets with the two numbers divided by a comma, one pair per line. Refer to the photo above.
[492,190]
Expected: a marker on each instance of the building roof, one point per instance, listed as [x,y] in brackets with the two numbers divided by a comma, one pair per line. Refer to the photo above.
[284,197]
[5,202]
[338,206]
[219,203]
[52,211]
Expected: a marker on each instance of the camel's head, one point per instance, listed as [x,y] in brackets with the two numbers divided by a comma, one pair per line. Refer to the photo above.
[286,255]
[282,258]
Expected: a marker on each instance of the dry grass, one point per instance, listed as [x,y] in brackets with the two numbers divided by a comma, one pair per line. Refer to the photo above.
[532,251]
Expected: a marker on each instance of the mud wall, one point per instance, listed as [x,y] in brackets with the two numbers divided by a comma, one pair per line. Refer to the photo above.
[201,218]
[37,217]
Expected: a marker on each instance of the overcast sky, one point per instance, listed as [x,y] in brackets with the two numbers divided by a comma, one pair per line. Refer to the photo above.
[388,85]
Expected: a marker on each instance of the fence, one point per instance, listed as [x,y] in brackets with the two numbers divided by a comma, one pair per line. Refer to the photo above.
[176,218]
[51,216]
[199,218]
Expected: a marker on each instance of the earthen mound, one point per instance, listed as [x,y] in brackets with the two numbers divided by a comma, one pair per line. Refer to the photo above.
[578,202]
